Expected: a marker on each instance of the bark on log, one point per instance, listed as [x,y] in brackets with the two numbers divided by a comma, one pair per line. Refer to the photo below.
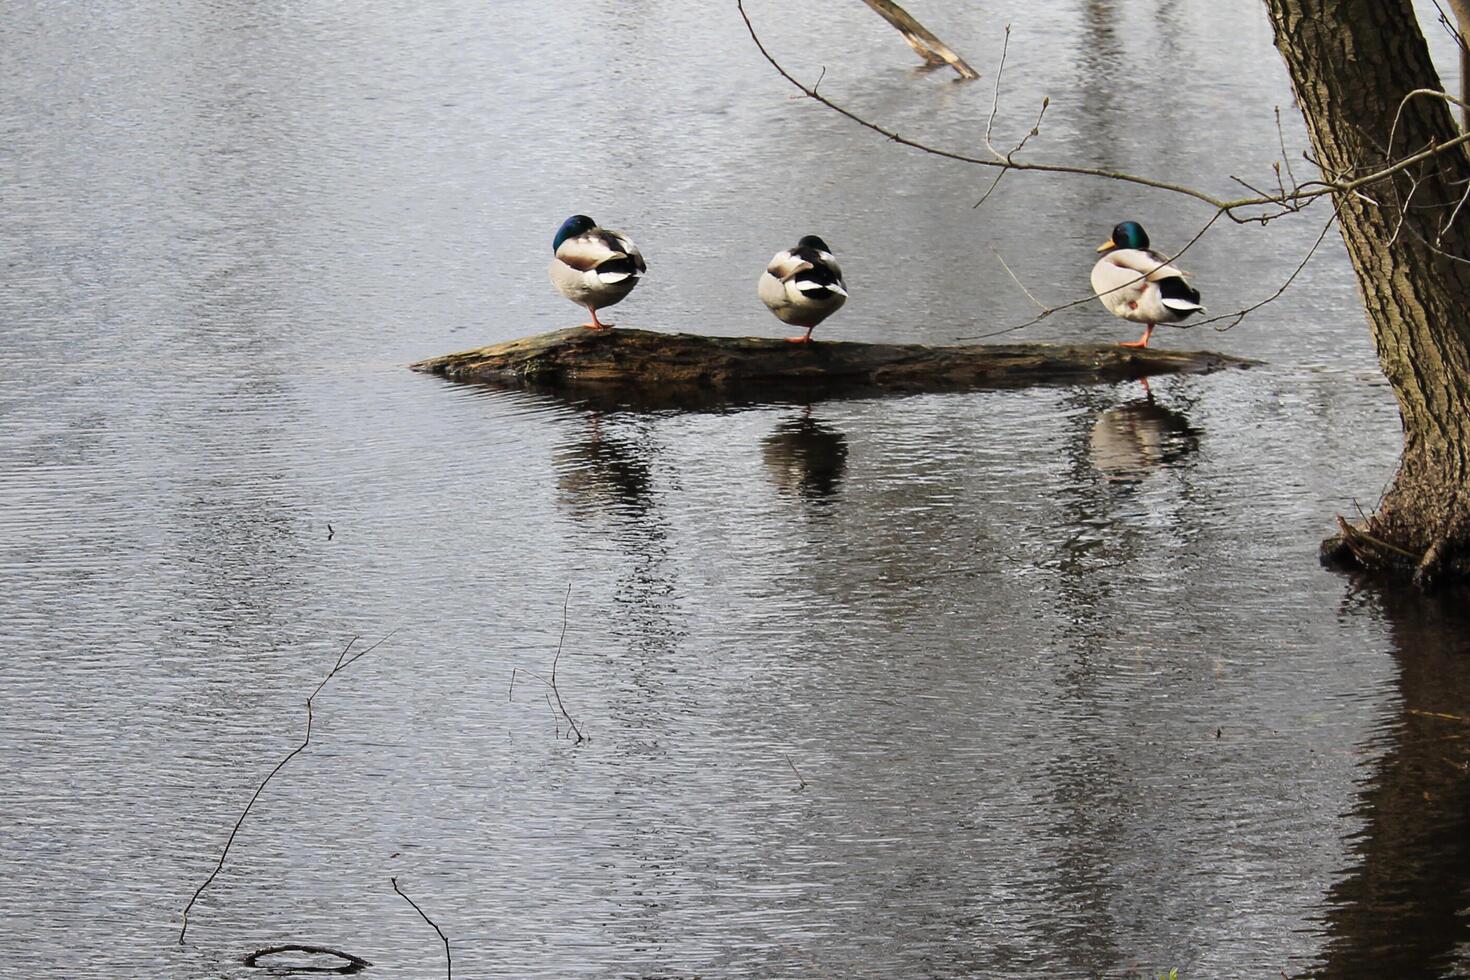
[642,366]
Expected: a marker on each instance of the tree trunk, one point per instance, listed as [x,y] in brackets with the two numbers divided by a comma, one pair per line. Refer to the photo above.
[1352,62]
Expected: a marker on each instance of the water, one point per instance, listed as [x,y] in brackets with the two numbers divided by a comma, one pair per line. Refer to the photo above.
[1020,683]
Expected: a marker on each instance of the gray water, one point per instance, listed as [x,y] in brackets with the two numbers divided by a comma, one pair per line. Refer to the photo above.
[1029,683]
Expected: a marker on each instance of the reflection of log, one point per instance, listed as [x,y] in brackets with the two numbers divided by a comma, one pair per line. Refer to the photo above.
[668,366]
[934,51]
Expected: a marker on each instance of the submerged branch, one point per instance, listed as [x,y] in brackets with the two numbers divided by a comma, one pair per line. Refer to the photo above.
[343,662]
[934,51]
[559,711]
[448,960]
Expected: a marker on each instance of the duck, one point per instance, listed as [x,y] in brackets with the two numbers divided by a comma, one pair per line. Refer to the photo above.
[1138,284]
[803,286]
[594,267]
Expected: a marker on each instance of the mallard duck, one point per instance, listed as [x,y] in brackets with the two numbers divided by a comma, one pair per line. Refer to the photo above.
[803,286]
[594,267]
[1136,283]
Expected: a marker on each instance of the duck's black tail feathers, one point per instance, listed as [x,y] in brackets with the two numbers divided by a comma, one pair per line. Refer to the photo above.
[1179,296]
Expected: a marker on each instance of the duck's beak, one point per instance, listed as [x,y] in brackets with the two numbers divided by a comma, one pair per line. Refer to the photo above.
[1106,245]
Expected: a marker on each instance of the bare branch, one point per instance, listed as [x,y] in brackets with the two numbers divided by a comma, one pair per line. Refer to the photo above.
[1240,315]
[1000,71]
[801,781]
[1281,139]
[558,711]
[448,960]
[1299,193]
[1001,258]
[965,158]
[554,689]
[343,662]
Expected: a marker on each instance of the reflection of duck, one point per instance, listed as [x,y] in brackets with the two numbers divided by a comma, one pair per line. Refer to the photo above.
[1139,436]
[805,457]
[600,472]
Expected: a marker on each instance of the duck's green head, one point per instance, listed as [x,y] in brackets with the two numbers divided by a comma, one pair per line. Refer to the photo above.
[577,224]
[1128,234]
[812,241]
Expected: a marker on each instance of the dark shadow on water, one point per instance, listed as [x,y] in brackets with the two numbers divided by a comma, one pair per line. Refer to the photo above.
[1403,909]
[805,458]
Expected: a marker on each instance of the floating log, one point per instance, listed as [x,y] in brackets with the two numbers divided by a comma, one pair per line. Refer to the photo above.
[640,366]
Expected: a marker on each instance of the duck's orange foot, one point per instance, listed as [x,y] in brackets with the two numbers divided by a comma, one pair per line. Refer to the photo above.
[1133,343]
[597,326]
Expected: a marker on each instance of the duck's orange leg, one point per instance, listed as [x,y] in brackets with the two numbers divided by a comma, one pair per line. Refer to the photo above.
[1148,331]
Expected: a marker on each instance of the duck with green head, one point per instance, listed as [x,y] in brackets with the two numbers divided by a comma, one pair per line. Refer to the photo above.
[1138,284]
[594,267]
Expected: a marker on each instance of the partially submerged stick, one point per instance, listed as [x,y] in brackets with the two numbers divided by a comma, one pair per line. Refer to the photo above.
[934,51]
[448,960]
[343,662]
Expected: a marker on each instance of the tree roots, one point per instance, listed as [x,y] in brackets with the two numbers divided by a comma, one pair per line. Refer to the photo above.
[1368,547]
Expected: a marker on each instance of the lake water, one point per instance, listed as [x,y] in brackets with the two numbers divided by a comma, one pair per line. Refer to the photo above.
[1029,683]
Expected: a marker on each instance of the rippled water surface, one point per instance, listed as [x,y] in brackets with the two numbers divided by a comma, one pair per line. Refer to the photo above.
[1028,683]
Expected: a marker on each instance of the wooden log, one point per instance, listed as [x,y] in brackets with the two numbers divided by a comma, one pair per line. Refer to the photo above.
[643,367]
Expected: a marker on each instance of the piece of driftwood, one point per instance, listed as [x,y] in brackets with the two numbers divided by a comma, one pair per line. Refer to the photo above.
[643,367]
[934,51]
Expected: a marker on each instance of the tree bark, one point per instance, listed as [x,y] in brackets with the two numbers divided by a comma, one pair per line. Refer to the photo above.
[640,367]
[1352,62]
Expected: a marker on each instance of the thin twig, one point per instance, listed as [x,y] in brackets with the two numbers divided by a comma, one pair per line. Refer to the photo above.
[342,664]
[1438,714]
[1240,315]
[1001,259]
[448,960]
[798,773]
[559,710]
[1281,140]
[1000,71]
[554,689]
